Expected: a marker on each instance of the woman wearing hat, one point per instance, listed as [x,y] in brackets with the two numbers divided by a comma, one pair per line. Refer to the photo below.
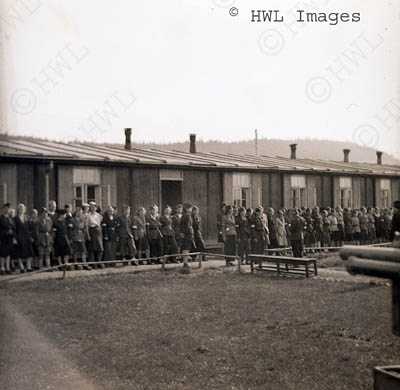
[229,234]
[7,239]
[62,245]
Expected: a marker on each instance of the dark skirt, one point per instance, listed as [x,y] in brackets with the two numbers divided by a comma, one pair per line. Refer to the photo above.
[96,240]
[78,247]
[230,246]
[110,250]
[142,244]
[25,249]
[62,246]
[6,246]
[188,244]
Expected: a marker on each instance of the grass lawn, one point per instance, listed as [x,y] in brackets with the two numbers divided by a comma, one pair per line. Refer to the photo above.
[214,329]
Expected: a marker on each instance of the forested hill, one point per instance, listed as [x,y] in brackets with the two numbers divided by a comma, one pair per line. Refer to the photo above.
[306,148]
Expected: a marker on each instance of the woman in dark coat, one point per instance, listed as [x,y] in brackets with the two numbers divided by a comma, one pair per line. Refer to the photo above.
[154,233]
[62,245]
[7,239]
[229,235]
[76,228]
[140,234]
[198,235]
[188,233]
[109,226]
[169,242]
[24,239]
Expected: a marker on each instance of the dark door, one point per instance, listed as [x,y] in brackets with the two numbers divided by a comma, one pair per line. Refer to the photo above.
[171,193]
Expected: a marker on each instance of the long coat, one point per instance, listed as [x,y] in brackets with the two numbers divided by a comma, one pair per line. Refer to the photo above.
[280,228]
[24,238]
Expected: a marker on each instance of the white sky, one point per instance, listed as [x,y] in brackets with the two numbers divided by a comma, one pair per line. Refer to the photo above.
[168,68]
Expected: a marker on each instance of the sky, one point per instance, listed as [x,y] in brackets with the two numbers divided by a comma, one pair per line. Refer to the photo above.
[85,70]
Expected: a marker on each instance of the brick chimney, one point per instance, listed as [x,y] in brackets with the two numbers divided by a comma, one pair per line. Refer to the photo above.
[293,148]
[379,158]
[192,143]
[346,153]
[128,144]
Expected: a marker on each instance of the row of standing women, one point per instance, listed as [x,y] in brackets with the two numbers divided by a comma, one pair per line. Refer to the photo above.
[55,236]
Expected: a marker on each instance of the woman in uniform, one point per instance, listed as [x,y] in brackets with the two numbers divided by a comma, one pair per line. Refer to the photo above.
[261,231]
[188,233]
[243,231]
[24,239]
[62,245]
[125,235]
[154,233]
[168,233]
[109,230]
[44,230]
[229,235]
[140,234]
[93,223]
[77,235]
[176,225]
[7,239]
[281,234]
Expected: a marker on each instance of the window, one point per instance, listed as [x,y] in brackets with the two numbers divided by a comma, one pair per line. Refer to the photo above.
[299,194]
[86,186]
[385,192]
[346,192]
[241,189]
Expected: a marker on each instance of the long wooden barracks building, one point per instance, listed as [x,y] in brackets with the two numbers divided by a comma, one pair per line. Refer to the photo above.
[33,172]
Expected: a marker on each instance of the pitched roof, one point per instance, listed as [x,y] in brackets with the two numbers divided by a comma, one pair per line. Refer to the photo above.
[39,149]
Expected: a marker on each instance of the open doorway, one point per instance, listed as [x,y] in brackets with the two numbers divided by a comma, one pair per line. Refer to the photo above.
[171,193]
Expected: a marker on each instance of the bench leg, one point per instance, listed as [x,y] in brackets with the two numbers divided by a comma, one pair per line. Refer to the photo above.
[278,267]
[260,264]
[287,267]
[251,265]
[315,268]
[307,273]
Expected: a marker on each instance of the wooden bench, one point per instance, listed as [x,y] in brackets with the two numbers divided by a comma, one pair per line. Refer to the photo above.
[285,261]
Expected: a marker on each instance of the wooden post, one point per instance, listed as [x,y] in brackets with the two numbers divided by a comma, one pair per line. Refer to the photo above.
[307,273]
[200,260]
[239,263]
[64,271]
[315,268]
[251,265]
[278,266]
[163,260]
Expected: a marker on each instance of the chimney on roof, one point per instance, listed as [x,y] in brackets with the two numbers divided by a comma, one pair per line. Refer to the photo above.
[293,148]
[379,158]
[128,144]
[192,143]
[346,153]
